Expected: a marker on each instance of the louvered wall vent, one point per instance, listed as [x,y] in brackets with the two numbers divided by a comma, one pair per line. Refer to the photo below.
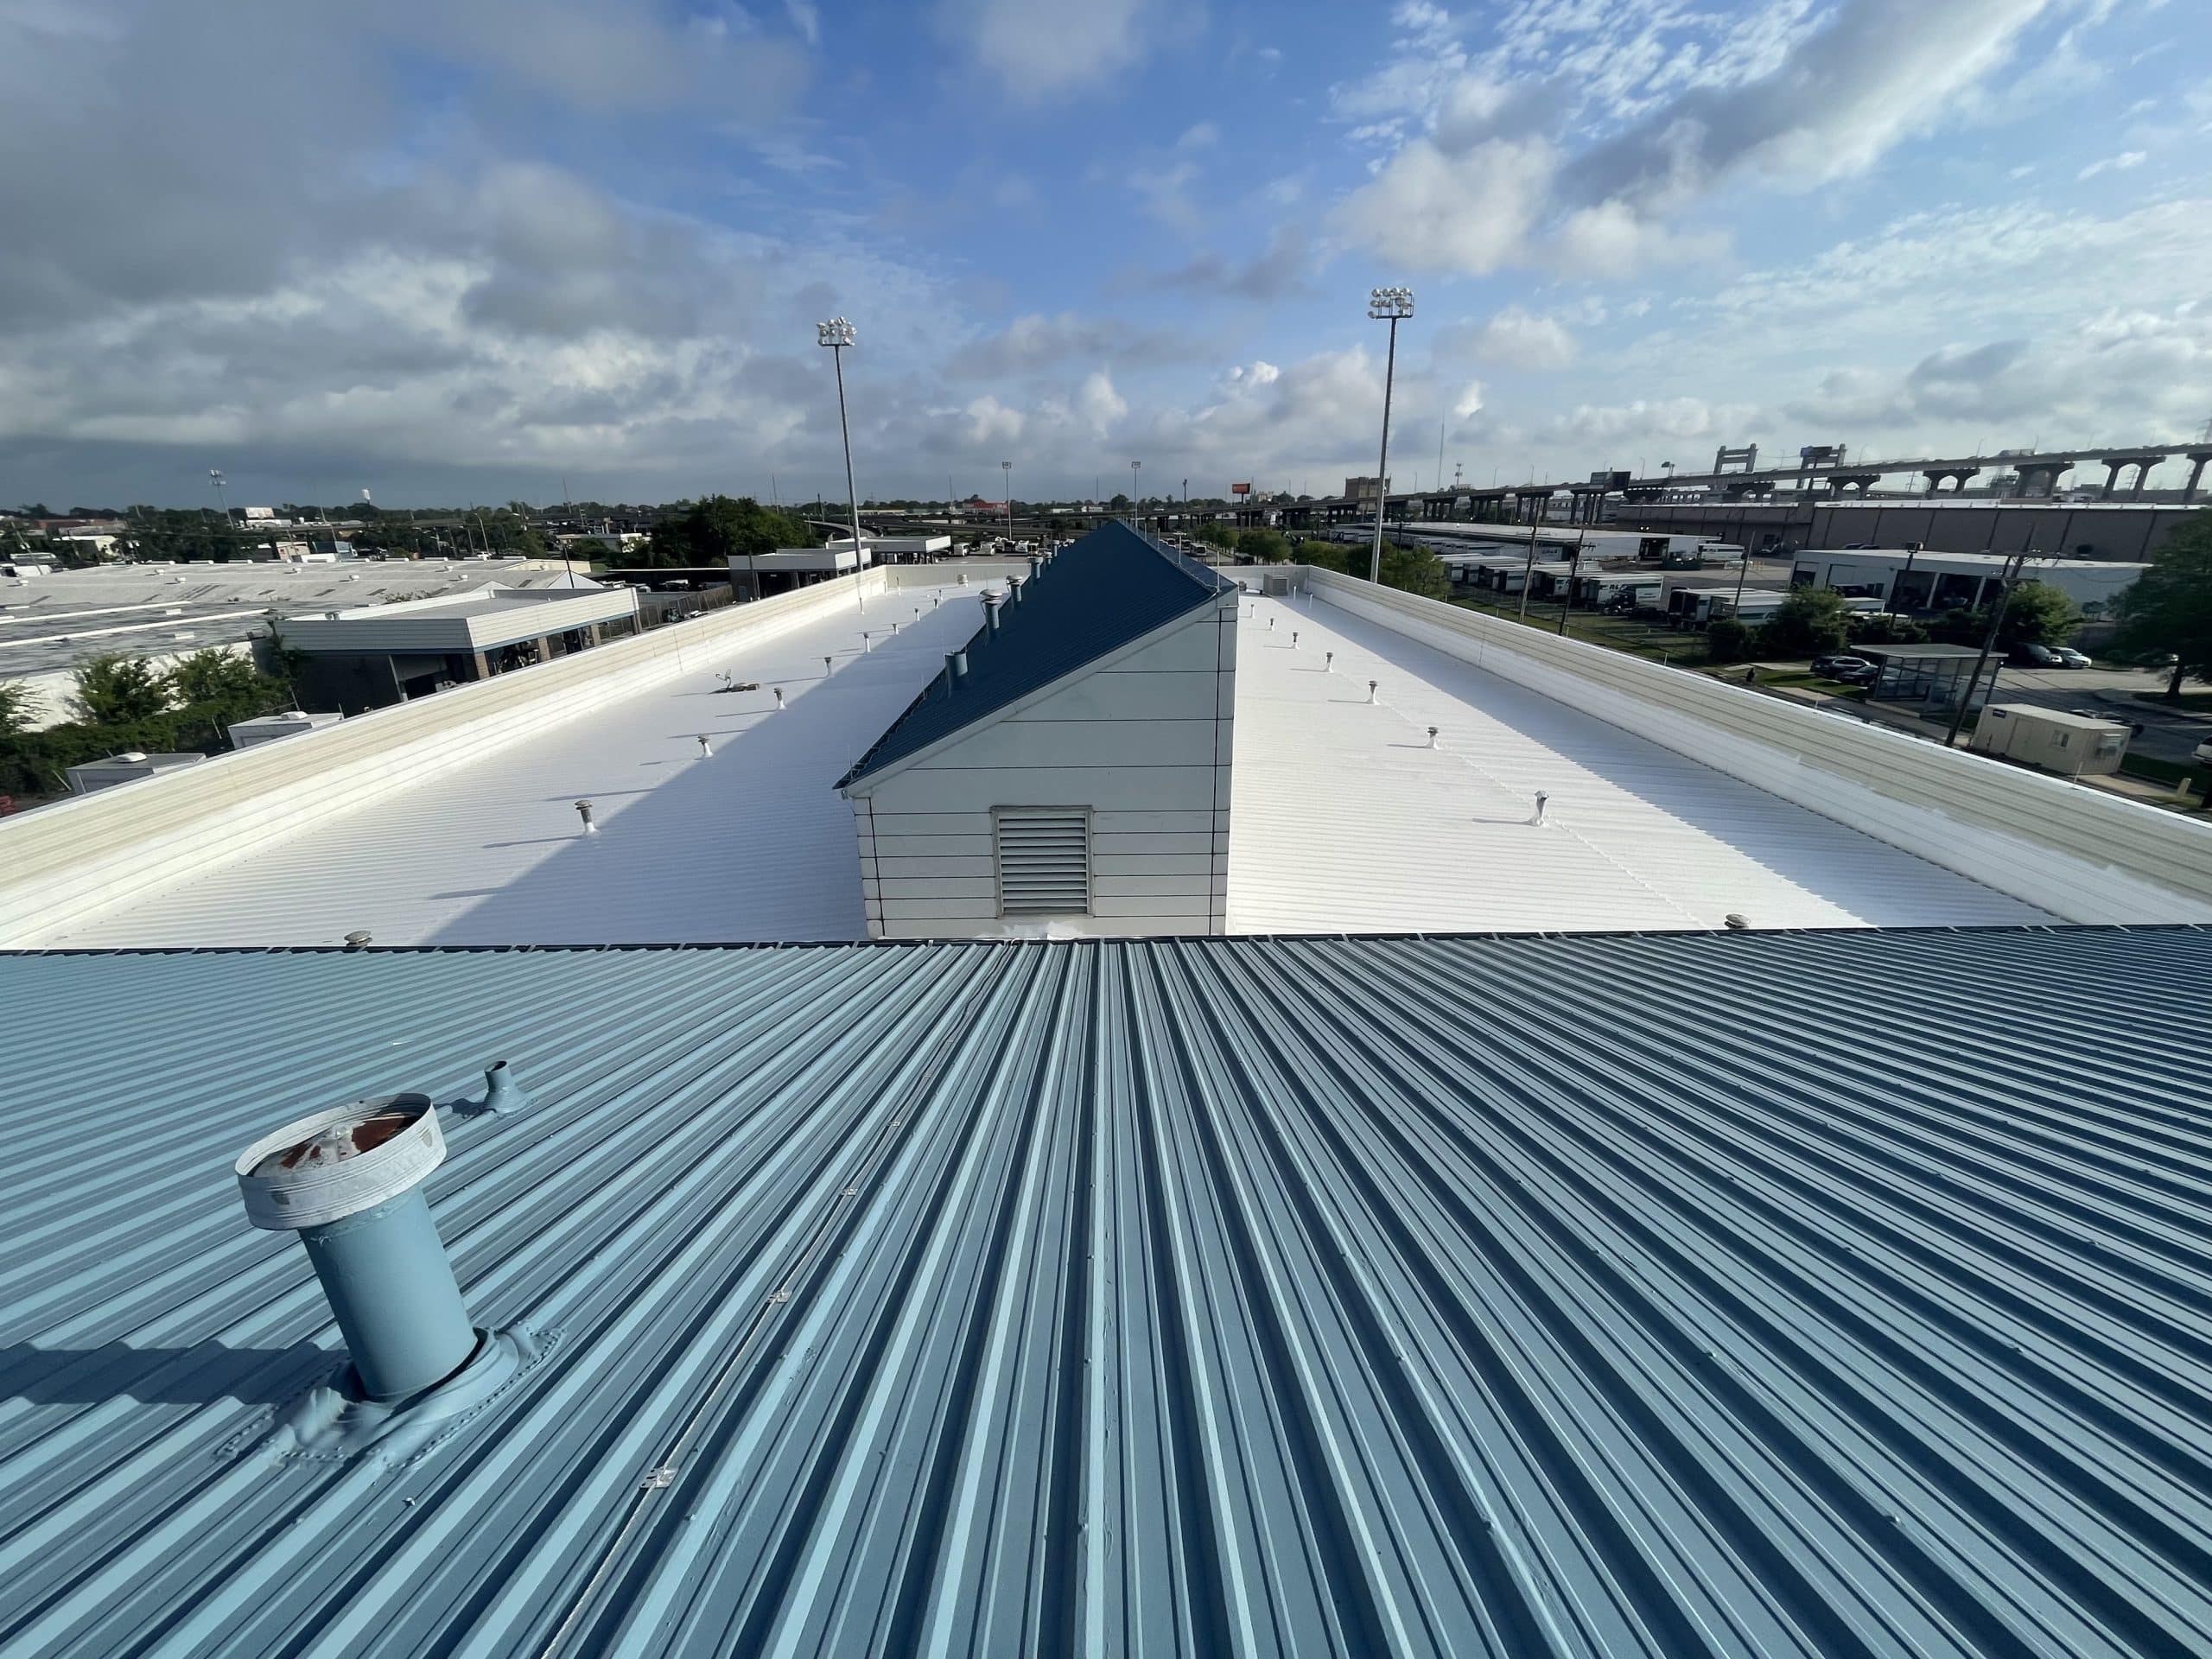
[1044,859]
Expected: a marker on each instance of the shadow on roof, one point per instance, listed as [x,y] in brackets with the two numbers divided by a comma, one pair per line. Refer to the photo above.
[200,1374]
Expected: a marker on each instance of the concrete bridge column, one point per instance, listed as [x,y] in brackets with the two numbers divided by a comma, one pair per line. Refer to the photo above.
[2197,458]
[2142,476]
[2112,479]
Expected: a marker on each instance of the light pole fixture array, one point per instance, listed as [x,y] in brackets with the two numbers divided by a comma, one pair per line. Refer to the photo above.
[836,335]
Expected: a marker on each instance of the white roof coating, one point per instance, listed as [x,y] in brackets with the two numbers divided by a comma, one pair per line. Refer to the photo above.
[754,843]
[1343,820]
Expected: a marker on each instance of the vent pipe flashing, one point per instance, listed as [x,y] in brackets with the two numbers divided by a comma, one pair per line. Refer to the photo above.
[348,1180]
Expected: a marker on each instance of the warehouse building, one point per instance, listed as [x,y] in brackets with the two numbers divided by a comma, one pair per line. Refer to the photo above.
[1393,1297]
[372,655]
[432,1230]
[1912,579]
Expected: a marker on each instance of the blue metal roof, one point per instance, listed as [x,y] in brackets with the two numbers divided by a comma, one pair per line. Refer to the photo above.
[1098,593]
[1719,1294]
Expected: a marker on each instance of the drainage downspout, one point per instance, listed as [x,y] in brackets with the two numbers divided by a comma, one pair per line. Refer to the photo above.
[349,1182]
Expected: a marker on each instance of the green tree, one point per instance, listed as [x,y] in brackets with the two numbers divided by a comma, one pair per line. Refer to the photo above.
[115,689]
[1264,546]
[1728,639]
[2168,610]
[17,703]
[1414,570]
[217,676]
[2037,614]
[1214,534]
[712,532]
[1884,628]
[1809,622]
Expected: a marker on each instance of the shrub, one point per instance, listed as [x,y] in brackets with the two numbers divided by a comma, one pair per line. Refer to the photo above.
[1884,630]
[1810,622]
[1728,641]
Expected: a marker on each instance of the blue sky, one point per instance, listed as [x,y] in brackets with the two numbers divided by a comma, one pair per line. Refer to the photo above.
[475,247]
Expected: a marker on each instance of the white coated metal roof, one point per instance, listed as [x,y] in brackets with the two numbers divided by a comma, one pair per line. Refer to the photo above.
[754,843]
[1344,821]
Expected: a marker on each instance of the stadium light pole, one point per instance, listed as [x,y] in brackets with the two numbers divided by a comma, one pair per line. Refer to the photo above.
[1007,468]
[1391,305]
[836,335]
[222,498]
[1134,465]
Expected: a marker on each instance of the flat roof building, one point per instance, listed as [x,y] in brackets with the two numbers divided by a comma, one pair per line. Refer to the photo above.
[1905,579]
[371,655]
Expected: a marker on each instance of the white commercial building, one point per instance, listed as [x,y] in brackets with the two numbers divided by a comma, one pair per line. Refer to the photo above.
[1901,579]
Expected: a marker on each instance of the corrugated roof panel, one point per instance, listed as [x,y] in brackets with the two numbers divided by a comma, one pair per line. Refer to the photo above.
[1394,1295]
[1101,592]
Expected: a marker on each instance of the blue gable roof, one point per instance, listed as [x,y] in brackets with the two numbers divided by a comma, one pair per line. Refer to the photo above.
[1099,594]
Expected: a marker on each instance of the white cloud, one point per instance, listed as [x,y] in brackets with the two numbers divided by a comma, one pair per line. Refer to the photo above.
[991,422]
[1590,127]
[1469,401]
[1469,213]
[1099,403]
[1515,339]
[805,19]
[2122,162]
[1038,47]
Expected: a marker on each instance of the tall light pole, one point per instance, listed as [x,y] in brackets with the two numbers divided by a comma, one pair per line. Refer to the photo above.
[1133,492]
[222,499]
[1007,468]
[836,335]
[1390,305]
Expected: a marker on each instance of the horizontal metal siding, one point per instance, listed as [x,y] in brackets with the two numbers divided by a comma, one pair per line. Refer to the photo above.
[1324,1296]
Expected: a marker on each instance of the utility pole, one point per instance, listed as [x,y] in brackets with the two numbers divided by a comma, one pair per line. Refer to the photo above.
[1573,568]
[568,516]
[2014,566]
[1528,565]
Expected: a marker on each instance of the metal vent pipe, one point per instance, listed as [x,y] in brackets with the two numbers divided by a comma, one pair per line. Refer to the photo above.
[348,1180]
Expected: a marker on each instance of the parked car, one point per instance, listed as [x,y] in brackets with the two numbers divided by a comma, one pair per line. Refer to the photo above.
[1851,670]
[2036,657]
[2069,658]
[2203,754]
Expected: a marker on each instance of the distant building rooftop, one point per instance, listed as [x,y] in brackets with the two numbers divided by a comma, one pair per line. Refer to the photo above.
[473,620]
[52,622]
[1176,1299]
